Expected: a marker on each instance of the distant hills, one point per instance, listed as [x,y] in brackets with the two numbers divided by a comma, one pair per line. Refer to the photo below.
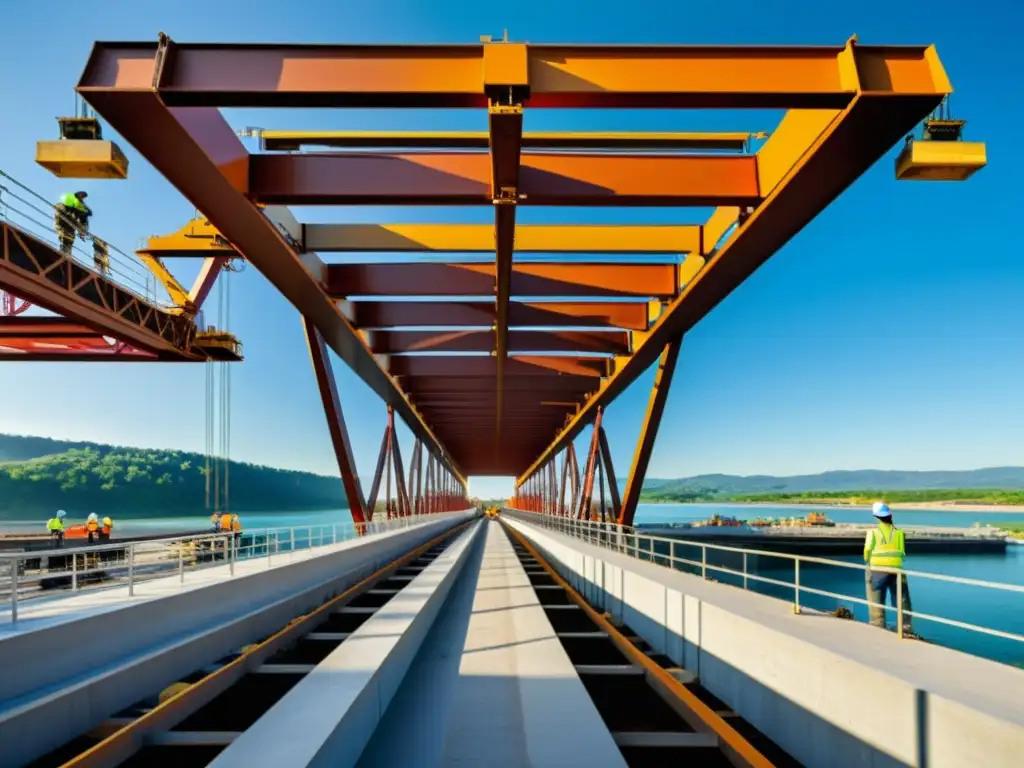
[40,475]
[711,487]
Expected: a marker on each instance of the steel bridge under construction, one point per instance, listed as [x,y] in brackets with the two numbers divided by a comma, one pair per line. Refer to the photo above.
[497,344]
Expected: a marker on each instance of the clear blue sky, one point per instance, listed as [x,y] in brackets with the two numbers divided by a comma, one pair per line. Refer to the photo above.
[888,334]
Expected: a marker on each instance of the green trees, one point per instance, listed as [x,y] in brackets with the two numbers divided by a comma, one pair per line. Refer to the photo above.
[97,478]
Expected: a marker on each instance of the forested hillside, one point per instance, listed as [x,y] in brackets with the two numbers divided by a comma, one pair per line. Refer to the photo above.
[41,475]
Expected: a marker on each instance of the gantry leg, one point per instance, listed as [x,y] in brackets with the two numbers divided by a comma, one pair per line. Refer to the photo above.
[336,422]
[588,480]
[649,431]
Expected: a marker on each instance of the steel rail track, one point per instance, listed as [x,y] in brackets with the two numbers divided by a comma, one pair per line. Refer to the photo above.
[192,725]
[657,713]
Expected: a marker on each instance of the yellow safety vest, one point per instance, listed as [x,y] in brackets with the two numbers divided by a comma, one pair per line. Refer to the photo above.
[884,547]
[54,524]
[236,524]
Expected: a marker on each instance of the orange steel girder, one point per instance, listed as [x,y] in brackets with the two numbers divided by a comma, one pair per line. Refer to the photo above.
[848,105]
[383,315]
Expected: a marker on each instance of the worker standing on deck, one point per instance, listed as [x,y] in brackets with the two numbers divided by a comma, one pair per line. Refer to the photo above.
[885,548]
[105,528]
[215,522]
[92,526]
[55,526]
[236,526]
[71,217]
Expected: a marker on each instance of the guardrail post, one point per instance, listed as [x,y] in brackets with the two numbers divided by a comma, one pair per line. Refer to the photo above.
[131,570]
[703,561]
[744,570]
[796,586]
[899,605]
[309,541]
[181,562]
[14,590]
[74,572]
[291,546]
[334,533]
[228,546]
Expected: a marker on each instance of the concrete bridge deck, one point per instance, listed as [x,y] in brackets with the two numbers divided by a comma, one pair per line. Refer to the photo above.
[473,655]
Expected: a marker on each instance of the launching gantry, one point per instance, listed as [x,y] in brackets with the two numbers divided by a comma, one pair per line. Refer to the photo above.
[559,340]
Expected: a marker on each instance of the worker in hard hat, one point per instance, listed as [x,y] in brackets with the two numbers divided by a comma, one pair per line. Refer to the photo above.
[215,521]
[884,548]
[55,527]
[70,218]
[236,525]
[92,526]
[106,527]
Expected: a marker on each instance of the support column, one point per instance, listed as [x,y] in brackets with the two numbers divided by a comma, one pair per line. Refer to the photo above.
[609,471]
[588,481]
[649,431]
[336,423]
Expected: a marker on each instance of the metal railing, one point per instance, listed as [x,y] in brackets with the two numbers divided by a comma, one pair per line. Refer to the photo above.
[739,566]
[68,570]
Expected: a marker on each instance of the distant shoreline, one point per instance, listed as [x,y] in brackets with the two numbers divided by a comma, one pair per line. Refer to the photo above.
[922,506]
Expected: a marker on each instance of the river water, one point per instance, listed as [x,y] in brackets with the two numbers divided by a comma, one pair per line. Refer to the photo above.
[986,607]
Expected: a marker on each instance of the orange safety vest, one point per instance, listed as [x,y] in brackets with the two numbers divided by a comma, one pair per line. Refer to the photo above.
[92,526]
[236,524]
[108,525]
[225,522]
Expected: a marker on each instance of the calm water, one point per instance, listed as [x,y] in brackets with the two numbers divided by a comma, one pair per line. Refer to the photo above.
[985,607]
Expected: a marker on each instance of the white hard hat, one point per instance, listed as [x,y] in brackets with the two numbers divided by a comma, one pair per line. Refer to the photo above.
[61,513]
[93,516]
[880,509]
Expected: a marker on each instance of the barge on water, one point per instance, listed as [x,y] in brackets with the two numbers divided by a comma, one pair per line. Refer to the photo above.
[825,541]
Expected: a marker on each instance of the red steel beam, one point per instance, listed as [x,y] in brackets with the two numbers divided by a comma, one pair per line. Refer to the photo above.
[35,270]
[390,314]
[516,367]
[710,77]
[812,157]
[534,279]
[613,342]
[336,422]
[454,178]
[200,154]
[554,388]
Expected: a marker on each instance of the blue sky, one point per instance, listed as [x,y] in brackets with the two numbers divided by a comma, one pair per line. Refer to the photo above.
[888,334]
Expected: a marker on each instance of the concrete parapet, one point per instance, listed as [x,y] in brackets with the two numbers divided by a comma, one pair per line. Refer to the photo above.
[828,691]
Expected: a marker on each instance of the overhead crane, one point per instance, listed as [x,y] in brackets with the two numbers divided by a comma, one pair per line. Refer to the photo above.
[559,340]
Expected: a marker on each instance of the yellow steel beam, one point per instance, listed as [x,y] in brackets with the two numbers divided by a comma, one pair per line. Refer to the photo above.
[295,140]
[479,238]
[197,238]
[179,295]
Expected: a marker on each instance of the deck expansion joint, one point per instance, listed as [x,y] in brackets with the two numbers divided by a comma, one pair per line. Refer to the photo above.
[191,738]
[609,669]
[664,739]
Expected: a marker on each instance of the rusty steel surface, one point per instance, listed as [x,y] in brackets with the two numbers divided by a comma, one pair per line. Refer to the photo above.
[471,370]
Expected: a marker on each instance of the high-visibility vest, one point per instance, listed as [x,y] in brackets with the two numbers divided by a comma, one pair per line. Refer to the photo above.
[236,524]
[884,547]
[92,525]
[68,200]
[108,525]
[225,522]
[54,524]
